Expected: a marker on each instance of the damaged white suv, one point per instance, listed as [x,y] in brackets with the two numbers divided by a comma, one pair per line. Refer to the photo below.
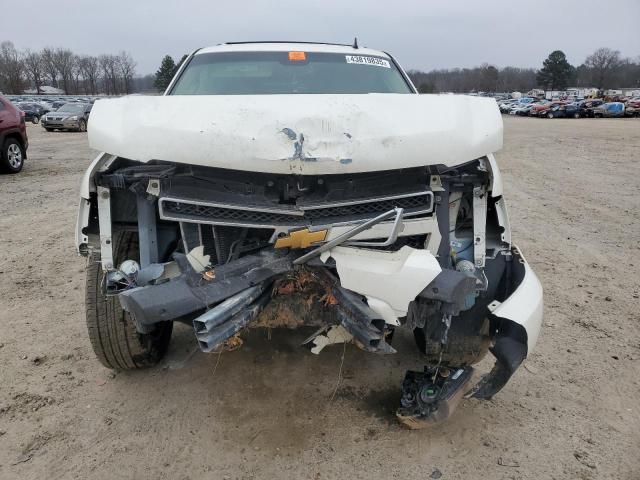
[300,184]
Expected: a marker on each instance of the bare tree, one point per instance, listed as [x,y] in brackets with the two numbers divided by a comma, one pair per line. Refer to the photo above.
[49,64]
[90,68]
[11,69]
[603,65]
[34,68]
[109,70]
[76,75]
[63,59]
[127,67]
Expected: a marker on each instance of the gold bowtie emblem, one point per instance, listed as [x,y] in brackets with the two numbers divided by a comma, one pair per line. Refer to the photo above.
[301,239]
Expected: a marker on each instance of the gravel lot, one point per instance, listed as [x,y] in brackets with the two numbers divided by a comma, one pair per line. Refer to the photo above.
[571,412]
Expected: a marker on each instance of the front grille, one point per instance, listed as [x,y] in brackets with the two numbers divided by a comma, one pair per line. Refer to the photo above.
[414,204]
[173,210]
[375,207]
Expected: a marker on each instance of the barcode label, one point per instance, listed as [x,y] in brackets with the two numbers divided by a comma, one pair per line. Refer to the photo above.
[375,61]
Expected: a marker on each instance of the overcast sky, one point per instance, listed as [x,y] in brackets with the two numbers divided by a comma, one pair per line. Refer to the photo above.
[421,34]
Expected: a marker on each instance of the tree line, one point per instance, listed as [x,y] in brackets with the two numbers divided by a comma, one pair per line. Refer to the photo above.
[111,74]
[605,68]
[115,74]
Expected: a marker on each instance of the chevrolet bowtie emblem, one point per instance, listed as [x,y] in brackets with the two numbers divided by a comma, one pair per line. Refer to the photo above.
[301,239]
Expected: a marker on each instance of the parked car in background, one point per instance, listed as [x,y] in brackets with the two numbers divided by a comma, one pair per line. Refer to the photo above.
[632,107]
[521,109]
[632,112]
[32,112]
[570,110]
[13,137]
[507,105]
[559,109]
[70,116]
[44,105]
[586,108]
[611,109]
[57,104]
[539,108]
[547,109]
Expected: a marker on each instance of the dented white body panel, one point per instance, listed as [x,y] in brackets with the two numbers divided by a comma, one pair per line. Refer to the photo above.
[303,134]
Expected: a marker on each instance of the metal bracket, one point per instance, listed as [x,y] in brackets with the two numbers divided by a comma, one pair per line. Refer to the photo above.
[147,232]
[104,222]
[479,226]
[396,228]
[350,234]
[153,187]
[436,183]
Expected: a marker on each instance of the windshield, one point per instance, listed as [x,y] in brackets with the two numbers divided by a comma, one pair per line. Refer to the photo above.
[263,73]
[71,108]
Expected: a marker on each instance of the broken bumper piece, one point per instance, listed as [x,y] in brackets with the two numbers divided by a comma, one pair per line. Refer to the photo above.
[517,322]
[191,291]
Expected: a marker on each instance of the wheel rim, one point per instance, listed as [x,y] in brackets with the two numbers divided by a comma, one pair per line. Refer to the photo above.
[14,155]
[36,120]
[83,126]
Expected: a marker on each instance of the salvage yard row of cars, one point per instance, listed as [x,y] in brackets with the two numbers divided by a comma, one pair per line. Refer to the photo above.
[56,113]
[586,108]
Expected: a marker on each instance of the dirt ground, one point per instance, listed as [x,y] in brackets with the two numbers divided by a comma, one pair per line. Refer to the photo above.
[571,412]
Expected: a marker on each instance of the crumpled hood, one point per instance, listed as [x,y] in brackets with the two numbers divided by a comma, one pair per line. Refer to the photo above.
[303,134]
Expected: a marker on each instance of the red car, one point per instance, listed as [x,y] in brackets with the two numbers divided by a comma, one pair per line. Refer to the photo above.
[546,109]
[13,137]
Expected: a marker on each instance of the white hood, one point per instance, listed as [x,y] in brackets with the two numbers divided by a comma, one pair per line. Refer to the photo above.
[304,134]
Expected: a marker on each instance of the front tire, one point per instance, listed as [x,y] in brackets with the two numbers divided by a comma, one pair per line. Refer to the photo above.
[11,156]
[82,126]
[35,120]
[112,332]
[550,115]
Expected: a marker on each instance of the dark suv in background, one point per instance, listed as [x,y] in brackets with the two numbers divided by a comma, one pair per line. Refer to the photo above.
[13,137]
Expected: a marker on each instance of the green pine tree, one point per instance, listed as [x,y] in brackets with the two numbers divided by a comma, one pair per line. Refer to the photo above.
[556,73]
[184,57]
[165,73]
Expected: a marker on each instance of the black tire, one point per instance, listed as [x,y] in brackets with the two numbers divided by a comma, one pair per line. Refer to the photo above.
[576,115]
[35,120]
[82,126]
[112,332]
[550,115]
[12,156]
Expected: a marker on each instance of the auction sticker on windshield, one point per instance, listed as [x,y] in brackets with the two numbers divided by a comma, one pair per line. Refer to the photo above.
[378,62]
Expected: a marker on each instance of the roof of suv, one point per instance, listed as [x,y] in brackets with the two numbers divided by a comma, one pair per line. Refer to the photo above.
[290,46]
